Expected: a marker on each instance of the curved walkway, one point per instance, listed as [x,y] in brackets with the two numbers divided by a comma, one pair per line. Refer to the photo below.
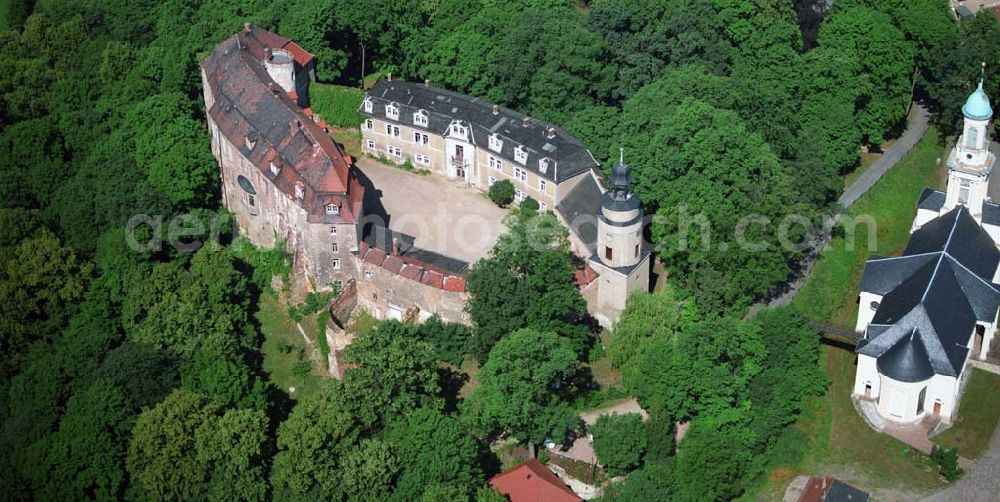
[980,482]
[915,130]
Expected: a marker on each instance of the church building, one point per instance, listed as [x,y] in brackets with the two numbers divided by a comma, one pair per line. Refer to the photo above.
[927,313]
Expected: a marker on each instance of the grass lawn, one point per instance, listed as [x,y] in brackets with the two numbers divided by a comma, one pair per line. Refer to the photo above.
[286,357]
[336,104]
[828,295]
[840,444]
[978,415]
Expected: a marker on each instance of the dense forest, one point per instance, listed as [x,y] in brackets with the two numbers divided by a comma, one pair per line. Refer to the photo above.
[138,375]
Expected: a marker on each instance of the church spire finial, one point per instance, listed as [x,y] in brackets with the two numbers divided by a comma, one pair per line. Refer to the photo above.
[982,74]
[621,152]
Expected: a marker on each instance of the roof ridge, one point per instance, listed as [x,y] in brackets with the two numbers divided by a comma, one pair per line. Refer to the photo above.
[887,258]
[984,281]
[944,251]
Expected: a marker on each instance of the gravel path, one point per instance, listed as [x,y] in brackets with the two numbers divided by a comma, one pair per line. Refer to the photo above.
[981,480]
[914,131]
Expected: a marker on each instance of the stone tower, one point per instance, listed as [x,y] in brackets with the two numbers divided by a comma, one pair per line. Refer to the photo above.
[970,161]
[620,257]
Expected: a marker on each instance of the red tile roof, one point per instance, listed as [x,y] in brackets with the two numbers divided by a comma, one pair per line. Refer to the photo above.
[375,256]
[454,283]
[533,482]
[248,103]
[393,264]
[584,276]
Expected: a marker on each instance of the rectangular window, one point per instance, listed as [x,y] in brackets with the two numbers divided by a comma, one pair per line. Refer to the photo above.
[541,185]
[388,129]
[490,181]
[636,250]
[521,155]
[395,152]
[333,230]
[520,196]
[963,195]
[421,138]
[371,145]
[395,131]
[392,111]
[607,253]
[251,200]
[421,159]
[542,207]
[335,263]
[334,247]
[369,124]
[496,163]
[420,118]
[520,174]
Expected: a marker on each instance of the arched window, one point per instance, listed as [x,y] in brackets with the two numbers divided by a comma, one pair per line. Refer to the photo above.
[972,138]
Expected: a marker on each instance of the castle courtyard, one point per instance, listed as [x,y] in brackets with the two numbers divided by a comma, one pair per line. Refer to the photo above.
[445,218]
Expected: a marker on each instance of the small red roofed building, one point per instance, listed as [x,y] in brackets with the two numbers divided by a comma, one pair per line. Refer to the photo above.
[533,482]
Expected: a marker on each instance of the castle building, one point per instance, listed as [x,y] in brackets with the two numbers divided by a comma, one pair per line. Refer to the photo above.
[286,181]
[927,313]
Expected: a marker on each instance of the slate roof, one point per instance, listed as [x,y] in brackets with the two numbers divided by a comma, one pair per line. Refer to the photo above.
[250,105]
[933,296]
[991,214]
[843,492]
[571,157]
[580,209]
[931,199]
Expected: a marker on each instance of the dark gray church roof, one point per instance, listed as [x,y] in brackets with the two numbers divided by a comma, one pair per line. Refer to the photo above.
[580,209]
[931,199]
[442,107]
[843,492]
[991,214]
[933,296]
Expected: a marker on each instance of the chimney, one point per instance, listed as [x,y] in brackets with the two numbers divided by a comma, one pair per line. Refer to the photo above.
[496,109]
[550,132]
[427,82]
[395,246]
[526,121]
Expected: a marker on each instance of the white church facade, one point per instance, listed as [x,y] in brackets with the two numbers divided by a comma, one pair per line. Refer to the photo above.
[926,313]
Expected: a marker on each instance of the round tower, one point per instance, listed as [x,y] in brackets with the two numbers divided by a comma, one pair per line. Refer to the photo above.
[281,67]
[619,228]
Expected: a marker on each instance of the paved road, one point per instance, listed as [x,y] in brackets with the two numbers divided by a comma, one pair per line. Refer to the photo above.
[914,131]
[981,481]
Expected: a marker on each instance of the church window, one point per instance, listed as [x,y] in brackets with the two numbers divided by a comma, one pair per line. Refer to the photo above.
[608,253]
[420,118]
[972,138]
[521,154]
[496,144]
[963,191]
[636,250]
[392,111]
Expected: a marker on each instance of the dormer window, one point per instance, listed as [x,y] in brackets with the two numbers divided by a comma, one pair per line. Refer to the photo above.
[369,106]
[275,169]
[521,154]
[332,209]
[420,118]
[392,111]
[251,139]
[300,191]
[458,129]
[544,164]
[496,144]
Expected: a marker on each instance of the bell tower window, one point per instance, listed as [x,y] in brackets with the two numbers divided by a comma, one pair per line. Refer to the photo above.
[608,253]
[972,138]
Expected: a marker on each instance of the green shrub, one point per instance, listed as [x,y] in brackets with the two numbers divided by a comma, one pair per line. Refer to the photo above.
[619,441]
[337,105]
[947,462]
[502,193]
[324,347]
[529,205]
[313,303]
[302,369]
[266,263]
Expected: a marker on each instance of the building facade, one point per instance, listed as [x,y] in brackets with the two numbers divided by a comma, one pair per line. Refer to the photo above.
[926,313]
[472,142]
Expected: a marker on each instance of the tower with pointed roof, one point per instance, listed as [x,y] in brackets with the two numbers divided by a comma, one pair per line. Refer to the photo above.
[970,161]
[620,257]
